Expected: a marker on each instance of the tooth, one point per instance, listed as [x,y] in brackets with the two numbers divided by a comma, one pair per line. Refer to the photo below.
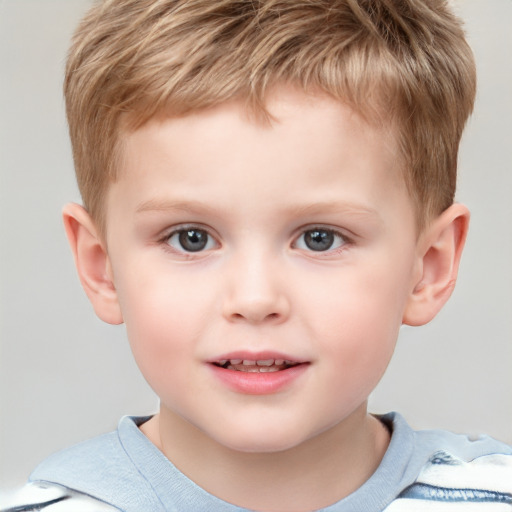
[289,363]
[236,361]
[251,370]
[268,369]
[222,362]
[279,362]
[248,362]
[265,362]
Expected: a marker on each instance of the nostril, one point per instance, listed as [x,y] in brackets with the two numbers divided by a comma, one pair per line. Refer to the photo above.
[256,309]
[252,317]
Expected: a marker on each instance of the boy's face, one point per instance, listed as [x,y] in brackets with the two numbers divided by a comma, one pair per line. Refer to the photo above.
[233,240]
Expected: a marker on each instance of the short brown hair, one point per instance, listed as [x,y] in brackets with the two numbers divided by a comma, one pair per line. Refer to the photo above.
[403,61]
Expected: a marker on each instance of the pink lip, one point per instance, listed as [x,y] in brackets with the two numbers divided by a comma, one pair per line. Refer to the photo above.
[258,383]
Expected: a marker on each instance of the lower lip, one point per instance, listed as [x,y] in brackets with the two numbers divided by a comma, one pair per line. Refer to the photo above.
[264,383]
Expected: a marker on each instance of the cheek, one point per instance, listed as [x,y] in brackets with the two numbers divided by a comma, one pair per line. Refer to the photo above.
[360,344]
[163,322]
[357,325]
[356,352]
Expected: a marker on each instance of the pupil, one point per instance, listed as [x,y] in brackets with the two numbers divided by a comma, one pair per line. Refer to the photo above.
[193,240]
[319,239]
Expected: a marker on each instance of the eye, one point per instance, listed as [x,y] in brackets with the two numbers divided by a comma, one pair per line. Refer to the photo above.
[319,240]
[191,240]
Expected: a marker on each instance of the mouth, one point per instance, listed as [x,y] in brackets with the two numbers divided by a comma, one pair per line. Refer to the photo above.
[258,374]
[256,366]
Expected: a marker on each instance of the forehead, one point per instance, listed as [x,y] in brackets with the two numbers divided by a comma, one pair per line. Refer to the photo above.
[225,153]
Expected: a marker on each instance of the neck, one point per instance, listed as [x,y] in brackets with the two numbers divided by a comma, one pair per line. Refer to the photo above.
[312,475]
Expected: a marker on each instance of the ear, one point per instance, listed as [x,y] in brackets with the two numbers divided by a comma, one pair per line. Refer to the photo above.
[92,263]
[440,249]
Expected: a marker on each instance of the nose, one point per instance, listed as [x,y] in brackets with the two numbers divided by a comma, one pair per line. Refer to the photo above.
[255,291]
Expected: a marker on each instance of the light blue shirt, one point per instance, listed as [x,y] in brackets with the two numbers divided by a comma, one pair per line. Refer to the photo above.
[432,469]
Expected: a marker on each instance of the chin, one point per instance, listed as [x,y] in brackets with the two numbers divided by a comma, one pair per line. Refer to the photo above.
[260,446]
[262,440]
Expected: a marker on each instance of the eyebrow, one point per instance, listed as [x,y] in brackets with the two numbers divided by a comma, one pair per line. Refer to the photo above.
[340,207]
[163,205]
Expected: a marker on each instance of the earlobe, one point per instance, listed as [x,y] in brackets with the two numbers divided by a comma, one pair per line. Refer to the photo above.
[440,249]
[92,263]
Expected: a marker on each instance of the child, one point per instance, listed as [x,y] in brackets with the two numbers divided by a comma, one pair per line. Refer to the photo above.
[268,191]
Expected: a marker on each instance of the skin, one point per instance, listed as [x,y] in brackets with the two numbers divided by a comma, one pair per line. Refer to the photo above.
[256,191]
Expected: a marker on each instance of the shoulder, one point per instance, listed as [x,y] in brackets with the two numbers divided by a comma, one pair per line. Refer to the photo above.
[103,468]
[450,470]
[46,497]
[422,445]
[88,461]
[468,448]
[458,461]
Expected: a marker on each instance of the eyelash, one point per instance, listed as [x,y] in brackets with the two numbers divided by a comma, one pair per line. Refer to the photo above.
[182,230]
[178,232]
[342,239]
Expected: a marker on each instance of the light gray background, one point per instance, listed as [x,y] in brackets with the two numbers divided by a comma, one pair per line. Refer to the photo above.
[65,376]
